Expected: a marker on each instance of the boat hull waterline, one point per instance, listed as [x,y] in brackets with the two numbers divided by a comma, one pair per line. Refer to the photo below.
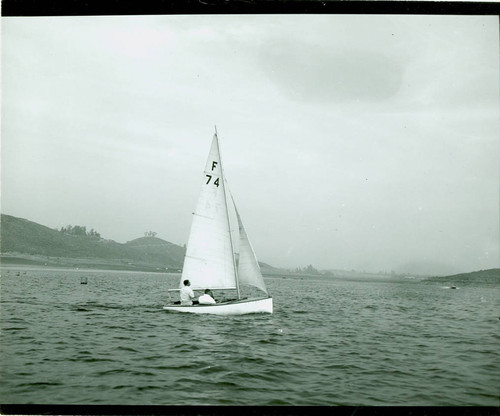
[238,307]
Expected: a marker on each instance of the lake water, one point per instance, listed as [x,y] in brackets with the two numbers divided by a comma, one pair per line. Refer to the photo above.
[330,342]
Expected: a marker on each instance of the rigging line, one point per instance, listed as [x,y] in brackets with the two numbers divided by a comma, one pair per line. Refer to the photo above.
[228,222]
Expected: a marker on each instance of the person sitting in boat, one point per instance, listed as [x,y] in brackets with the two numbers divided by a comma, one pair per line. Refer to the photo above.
[187,293]
[206,298]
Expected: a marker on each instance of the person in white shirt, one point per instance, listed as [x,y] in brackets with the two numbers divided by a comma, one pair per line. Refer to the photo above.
[206,298]
[187,294]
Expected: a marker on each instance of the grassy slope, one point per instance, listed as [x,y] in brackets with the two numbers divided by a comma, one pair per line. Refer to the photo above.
[26,237]
[29,242]
[489,277]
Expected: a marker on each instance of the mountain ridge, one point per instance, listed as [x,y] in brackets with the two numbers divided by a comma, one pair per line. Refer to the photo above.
[26,242]
[25,239]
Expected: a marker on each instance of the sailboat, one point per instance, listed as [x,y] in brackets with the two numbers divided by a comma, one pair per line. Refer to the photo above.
[215,258]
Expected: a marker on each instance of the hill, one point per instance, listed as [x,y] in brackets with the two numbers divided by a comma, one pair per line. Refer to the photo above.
[25,241]
[155,250]
[484,277]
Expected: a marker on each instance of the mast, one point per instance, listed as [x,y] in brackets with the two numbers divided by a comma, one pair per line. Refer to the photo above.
[228,222]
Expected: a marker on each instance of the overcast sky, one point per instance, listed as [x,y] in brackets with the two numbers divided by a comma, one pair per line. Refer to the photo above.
[359,142]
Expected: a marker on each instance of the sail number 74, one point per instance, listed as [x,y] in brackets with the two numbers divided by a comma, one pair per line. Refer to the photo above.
[216,182]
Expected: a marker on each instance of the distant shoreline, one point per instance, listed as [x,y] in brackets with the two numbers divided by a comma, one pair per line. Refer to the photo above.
[72,264]
[23,261]
[23,264]
[69,264]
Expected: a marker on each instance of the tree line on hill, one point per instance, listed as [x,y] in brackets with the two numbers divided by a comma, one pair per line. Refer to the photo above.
[79,230]
[307,270]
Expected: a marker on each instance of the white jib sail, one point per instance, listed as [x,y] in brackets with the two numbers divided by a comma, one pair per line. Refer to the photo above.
[209,259]
[248,266]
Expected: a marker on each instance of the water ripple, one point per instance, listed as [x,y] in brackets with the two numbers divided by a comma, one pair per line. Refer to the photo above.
[377,343]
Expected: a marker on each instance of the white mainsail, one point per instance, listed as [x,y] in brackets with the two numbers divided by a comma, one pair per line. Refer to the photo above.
[209,261]
[248,266]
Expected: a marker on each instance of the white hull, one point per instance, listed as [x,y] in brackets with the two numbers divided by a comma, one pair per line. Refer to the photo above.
[237,307]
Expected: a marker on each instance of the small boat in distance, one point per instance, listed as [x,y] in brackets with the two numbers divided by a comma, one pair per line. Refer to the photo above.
[211,260]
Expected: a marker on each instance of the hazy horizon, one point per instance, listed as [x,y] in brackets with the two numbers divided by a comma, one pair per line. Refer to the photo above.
[349,142]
